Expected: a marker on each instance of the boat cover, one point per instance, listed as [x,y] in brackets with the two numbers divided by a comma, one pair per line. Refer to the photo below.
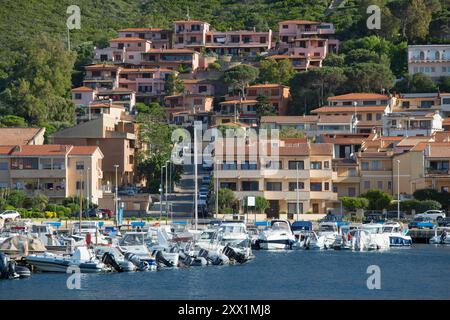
[20,244]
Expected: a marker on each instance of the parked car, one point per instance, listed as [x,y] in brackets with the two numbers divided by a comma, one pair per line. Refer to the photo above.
[433,214]
[373,217]
[394,215]
[206,180]
[9,215]
[91,213]
[421,223]
[207,164]
[106,213]
[444,222]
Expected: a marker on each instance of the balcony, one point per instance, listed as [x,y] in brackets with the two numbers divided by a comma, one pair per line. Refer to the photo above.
[287,195]
[239,174]
[38,173]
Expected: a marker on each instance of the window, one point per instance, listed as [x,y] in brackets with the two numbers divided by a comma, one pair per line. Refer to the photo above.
[78,96]
[405,104]
[389,185]
[326,164]
[369,103]
[366,184]
[369,117]
[292,208]
[292,165]
[316,186]
[380,184]
[248,166]
[351,192]
[376,165]
[293,186]
[446,101]
[326,186]
[120,46]
[202,89]
[78,184]
[3,165]
[80,165]
[427,104]
[273,186]
[262,40]
[250,186]
[228,185]
[131,57]
[316,165]
[285,26]
[378,117]
[24,163]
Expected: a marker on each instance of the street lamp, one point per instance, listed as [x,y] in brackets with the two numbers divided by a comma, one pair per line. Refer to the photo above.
[167,186]
[398,189]
[297,195]
[116,197]
[161,192]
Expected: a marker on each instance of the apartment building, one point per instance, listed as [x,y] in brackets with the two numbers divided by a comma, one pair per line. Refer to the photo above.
[148,83]
[278,95]
[116,138]
[243,110]
[307,124]
[412,123]
[190,103]
[92,103]
[432,60]
[445,105]
[368,108]
[123,50]
[198,35]
[101,76]
[58,171]
[248,173]
[22,136]
[158,37]
[195,86]
[305,43]
[173,59]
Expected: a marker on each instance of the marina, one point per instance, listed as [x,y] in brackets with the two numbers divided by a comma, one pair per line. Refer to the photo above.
[296,274]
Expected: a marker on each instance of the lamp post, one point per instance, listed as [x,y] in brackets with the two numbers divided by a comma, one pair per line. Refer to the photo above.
[81,198]
[297,195]
[167,186]
[161,189]
[87,190]
[398,189]
[116,197]
[217,189]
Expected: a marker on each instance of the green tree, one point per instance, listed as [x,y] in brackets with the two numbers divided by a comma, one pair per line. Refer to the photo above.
[240,76]
[12,121]
[416,83]
[444,84]
[264,107]
[426,205]
[261,204]
[378,200]
[287,133]
[334,60]
[354,203]
[273,71]
[174,85]
[39,86]
[369,77]
[226,201]
[16,198]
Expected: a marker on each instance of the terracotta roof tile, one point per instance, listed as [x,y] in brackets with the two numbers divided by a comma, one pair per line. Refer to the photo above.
[83,89]
[128,40]
[359,96]
[288,119]
[17,136]
[41,150]
[349,109]
[83,150]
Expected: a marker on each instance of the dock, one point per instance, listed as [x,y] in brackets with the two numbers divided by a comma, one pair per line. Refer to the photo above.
[422,235]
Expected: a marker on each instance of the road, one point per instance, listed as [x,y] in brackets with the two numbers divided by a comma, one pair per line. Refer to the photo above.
[181,201]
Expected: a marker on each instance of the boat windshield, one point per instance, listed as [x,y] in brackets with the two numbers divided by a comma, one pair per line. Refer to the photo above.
[280,226]
[327,228]
[134,239]
[232,229]
[388,229]
[207,235]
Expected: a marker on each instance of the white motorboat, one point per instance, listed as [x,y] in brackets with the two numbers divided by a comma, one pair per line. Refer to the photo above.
[83,258]
[278,237]
[327,234]
[398,237]
[79,233]
[377,237]
[441,236]
[134,242]
[116,259]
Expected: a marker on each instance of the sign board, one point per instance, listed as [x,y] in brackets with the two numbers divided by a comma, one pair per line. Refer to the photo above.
[251,201]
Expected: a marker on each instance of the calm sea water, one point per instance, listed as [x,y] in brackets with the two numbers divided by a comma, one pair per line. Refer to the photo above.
[420,272]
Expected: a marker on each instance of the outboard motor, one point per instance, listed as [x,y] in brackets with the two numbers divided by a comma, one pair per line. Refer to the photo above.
[185,259]
[12,270]
[4,262]
[160,259]
[233,255]
[134,259]
[109,259]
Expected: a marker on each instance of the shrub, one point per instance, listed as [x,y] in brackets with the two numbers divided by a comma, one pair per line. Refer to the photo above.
[17,198]
[426,194]
[354,203]
[378,200]
[215,66]
[36,214]
[428,205]
[50,214]
[9,207]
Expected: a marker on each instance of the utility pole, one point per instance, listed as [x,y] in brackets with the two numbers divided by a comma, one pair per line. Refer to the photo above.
[161,193]
[87,190]
[195,177]
[116,198]
[217,188]
[81,199]
[167,186]
[398,189]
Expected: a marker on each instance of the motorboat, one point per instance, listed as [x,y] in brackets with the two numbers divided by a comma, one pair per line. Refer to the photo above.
[83,257]
[278,237]
[112,257]
[134,242]
[327,234]
[81,230]
[441,236]
[378,238]
[398,237]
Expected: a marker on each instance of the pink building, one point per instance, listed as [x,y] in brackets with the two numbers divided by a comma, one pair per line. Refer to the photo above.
[148,83]
[159,38]
[104,76]
[123,50]
[172,59]
[306,43]
[197,35]
[194,86]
